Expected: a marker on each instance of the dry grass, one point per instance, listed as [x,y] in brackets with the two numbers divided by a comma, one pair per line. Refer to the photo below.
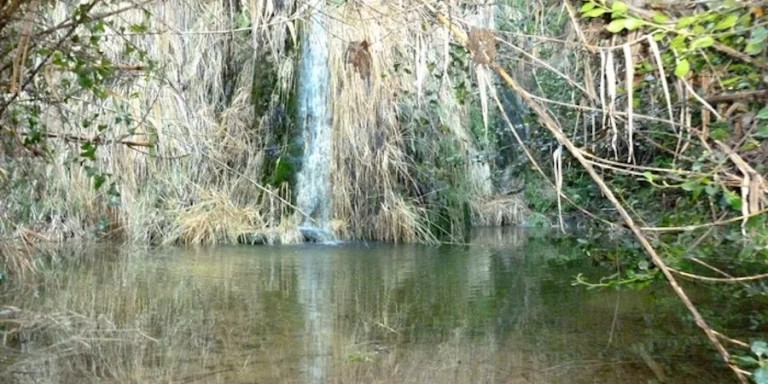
[215,219]
[500,211]
[372,169]
[199,183]
[183,189]
[16,260]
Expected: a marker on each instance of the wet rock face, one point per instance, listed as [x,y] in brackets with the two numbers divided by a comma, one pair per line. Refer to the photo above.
[316,235]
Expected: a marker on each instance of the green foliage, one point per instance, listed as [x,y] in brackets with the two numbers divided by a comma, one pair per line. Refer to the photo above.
[721,39]
[91,97]
[757,362]
[691,38]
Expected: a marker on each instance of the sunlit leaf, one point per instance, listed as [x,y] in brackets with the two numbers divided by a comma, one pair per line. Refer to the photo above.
[619,8]
[682,68]
[660,18]
[633,24]
[733,200]
[754,48]
[702,42]
[616,25]
[587,7]
[686,21]
[760,348]
[678,43]
[761,375]
[648,176]
[596,12]
[727,22]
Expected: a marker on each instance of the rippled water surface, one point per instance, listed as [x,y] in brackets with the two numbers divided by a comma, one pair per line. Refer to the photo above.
[500,310]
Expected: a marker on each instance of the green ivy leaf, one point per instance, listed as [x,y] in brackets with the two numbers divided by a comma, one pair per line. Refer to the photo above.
[88,151]
[763,114]
[702,42]
[90,171]
[114,191]
[84,80]
[682,68]
[98,181]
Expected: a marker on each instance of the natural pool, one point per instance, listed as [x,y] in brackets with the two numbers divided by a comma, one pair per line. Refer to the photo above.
[498,310]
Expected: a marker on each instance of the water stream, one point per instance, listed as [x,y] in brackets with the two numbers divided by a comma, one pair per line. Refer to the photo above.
[313,180]
[500,310]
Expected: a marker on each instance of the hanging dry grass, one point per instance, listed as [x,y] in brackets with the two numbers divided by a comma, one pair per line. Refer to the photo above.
[194,113]
[369,164]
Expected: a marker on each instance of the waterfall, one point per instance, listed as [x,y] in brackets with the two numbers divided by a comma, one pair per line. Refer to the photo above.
[314,178]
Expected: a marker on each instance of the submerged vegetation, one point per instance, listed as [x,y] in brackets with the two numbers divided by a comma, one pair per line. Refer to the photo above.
[176,122]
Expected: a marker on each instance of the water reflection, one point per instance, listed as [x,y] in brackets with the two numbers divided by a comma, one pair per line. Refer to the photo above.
[499,310]
[315,295]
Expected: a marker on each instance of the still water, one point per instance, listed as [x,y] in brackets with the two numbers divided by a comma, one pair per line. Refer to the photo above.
[499,310]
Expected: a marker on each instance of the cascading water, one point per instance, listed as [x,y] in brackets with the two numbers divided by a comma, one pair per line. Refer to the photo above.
[314,179]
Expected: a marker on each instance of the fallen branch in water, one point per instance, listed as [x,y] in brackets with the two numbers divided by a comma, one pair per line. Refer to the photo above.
[689,228]
[761,276]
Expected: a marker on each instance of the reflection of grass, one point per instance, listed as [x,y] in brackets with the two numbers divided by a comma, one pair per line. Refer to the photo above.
[128,322]
[224,317]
